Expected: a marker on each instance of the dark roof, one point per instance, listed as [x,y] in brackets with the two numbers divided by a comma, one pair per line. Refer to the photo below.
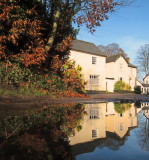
[113,58]
[131,65]
[86,47]
[145,85]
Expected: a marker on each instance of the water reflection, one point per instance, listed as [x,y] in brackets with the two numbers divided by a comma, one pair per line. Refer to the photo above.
[103,131]
[109,126]
[40,135]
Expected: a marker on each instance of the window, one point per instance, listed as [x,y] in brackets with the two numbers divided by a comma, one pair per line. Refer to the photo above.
[94,79]
[120,78]
[94,60]
[94,134]
[121,127]
[120,114]
[120,67]
[94,114]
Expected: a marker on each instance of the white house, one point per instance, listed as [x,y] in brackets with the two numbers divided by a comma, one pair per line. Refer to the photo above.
[92,61]
[101,72]
[119,68]
[146,84]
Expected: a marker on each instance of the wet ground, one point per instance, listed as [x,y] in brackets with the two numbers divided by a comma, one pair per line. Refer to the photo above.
[13,104]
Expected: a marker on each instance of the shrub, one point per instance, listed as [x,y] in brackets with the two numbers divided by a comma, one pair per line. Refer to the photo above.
[121,86]
[137,89]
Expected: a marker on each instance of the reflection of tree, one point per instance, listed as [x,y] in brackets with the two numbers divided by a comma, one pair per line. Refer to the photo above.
[40,134]
[121,107]
[143,132]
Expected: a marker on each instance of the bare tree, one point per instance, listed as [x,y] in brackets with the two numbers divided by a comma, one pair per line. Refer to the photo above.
[112,49]
[142,59]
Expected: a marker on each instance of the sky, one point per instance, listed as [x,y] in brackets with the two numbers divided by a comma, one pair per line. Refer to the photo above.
[128,27]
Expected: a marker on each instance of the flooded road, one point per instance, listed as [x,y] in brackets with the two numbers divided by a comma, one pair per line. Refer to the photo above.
[113,131]
[99,131]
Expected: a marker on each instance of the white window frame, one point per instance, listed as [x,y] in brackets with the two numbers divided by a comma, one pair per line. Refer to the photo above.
[94,60]
[94,79]
[94,113]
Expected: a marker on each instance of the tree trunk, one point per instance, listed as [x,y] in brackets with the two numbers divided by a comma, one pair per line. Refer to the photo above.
[54,30]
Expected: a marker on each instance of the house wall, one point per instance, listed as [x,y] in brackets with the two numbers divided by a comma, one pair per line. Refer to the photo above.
[146,80]
[132,77]
[119,70]
[119,123]
[110,69]
[110,85]
[85,134]
[108,120]
[85,61]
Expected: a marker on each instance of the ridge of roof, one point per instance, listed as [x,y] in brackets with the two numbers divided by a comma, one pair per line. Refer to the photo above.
[131,65]
[86,47]
[113,58]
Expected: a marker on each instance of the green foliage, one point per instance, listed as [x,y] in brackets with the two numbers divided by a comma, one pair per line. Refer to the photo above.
[121,107]
[121,86]
[30,82]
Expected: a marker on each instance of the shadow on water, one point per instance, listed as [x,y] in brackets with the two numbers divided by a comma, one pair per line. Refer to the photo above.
[84,131]
[40,134]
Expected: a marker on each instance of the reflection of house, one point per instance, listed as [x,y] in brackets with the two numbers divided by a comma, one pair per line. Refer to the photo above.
[93,124]
[102,118]
[119,68]
[120,123]
[100,72]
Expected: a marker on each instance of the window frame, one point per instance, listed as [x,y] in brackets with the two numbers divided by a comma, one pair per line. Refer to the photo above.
[94,79]
[94,113]
[94,133]
[94,60]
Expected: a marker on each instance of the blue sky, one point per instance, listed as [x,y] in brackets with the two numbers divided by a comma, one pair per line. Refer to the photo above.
[128,26]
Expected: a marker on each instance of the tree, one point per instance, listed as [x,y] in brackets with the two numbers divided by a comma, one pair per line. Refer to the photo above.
[142,59]
[45,26]
[112,49]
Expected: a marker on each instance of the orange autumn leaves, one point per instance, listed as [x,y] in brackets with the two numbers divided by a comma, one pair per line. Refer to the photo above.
[22,38]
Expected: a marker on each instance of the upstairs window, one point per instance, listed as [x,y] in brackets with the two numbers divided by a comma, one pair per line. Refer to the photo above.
[94,79]
[94,114]
[94,60]
[120,67]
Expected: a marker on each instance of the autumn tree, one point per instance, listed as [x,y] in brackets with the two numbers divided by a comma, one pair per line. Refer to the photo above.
[23,32]
[35,31]
[88,12]
[142,59]
[112,49]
